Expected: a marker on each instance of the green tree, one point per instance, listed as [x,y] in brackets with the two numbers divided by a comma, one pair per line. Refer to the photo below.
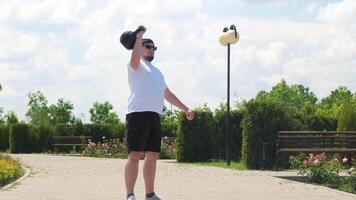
[330,106]
[11,118]
[347,118]
[38,112]
[296,96]
[62,112]
[101,114]
[2,117]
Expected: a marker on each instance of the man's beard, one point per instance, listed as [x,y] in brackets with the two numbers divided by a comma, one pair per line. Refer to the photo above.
[149,58]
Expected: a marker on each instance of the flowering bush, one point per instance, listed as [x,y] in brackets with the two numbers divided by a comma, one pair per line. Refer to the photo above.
[318,168]
[112,148]
[168,150]
[10,170]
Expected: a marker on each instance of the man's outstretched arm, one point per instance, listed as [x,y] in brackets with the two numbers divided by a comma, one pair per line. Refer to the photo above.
[171,98]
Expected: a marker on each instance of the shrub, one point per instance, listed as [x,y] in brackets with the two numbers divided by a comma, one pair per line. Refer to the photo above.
[19,138]
[261,123]
[10,170]
[324,169]
[220,134]
[195,138]
[110,148]
[4,137]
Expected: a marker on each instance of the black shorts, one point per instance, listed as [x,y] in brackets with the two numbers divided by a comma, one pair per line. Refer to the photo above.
[143,131]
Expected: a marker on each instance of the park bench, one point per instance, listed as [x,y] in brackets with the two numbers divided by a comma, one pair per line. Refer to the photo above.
[315,142]
[69,141]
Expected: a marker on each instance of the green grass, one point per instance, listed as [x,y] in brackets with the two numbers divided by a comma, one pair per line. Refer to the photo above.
[222,164]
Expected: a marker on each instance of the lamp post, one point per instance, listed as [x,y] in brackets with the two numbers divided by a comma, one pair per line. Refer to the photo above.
[226,38]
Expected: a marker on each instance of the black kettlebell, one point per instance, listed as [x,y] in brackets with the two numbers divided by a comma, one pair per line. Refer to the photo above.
[128,38]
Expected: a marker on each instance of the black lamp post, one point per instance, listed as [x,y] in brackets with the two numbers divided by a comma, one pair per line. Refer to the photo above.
[226,38]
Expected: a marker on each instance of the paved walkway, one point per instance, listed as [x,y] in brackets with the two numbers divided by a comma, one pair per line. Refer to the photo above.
[79,178]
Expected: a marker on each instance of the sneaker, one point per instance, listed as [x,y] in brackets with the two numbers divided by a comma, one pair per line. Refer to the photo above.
[155,197]
[132,197]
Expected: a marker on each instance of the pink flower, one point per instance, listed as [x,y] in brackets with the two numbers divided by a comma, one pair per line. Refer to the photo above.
[344,160]
[306,162]
[317,162]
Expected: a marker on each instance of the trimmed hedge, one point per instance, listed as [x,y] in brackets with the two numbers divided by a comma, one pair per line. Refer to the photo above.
[4,137]
[235,134]
[195,138]
[261,123]
[19,138]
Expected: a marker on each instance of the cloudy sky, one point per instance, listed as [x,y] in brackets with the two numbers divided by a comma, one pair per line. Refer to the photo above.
[70,49]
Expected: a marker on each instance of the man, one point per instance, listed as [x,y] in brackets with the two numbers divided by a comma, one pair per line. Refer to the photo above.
[143,126]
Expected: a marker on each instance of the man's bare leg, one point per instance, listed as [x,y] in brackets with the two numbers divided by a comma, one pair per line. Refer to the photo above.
[149,170]
[131,170]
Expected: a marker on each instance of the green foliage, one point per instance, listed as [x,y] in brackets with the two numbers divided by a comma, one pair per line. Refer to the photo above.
[219,137]
[324,169]
[169,129]
[261,123]
[2,117]
[98,131]
[11,118]
[38,112]
[67,130]
[330,106]
[195,138]
[10,170]
[347,118]
[112,148]
[101,114]
[45,132]
[19,138]
[62,112]
[295,96]
[4,137]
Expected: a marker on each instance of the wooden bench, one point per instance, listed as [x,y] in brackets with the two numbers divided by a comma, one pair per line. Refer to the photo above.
[69,141]
[315,142]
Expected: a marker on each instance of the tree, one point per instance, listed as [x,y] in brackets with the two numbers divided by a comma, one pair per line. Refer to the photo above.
[11,118]
[62,112]
[347,118]
[2,118]
[38,112]
[296,96]
[330,106]
[100,113]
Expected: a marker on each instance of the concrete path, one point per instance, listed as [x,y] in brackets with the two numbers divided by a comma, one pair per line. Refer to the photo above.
[78,178]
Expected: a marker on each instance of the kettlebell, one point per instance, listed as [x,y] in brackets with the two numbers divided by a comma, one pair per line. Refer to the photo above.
[128,38]
[229,36]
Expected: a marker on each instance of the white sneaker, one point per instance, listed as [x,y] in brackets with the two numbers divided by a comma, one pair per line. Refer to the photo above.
[155,197]
[132,197]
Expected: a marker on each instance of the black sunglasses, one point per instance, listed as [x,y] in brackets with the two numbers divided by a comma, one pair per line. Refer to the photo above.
[150,47]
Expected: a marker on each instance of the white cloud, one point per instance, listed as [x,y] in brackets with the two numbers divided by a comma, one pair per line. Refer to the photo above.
[79,57]
[65,11]
[340,12]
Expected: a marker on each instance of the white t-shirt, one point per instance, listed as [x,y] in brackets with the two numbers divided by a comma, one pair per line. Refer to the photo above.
[147,87]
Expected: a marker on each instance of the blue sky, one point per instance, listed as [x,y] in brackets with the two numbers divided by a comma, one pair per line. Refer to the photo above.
[69,49]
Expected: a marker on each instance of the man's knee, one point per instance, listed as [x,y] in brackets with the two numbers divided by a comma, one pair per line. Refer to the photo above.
[152,155]
[135,155]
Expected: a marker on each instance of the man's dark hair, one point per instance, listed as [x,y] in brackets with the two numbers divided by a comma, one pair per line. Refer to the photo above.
[147,40]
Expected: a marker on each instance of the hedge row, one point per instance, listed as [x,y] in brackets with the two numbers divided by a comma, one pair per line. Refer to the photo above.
[26,138]
[203,139]
[258,122]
